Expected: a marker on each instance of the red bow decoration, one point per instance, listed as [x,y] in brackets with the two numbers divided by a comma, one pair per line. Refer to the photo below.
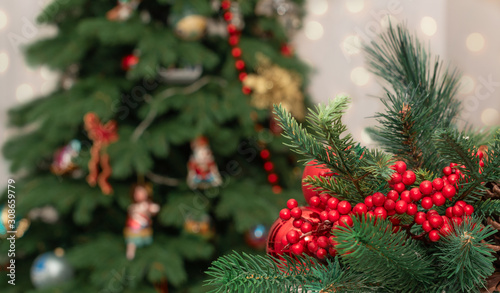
[102,135]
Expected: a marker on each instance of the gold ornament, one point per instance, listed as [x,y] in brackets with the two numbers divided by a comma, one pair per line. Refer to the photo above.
[191,27]
[272,84]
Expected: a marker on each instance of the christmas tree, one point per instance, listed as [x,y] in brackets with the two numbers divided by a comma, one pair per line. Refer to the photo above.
[157,152]
[418,215]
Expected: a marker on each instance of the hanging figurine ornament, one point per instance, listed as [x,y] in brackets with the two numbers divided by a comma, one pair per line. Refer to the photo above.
[102,135]
[123,10]
[275,85]
[9,225]
[202,170]
[138,231]
[64,158]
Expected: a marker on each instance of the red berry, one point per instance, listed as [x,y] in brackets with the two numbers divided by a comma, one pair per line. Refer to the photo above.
[468,209]
[380,212]
[401,207]
[298,223]
[452,179]
[378,199]
[431,213]
[360,208]
[312,246]
[297,248]
[434,236]
[405,195]
[412,209]
[246,90]
[436,221]
[324,198]
[269,166]
[457,220]
[453,165]
[447,171]
[395,221]
[409,178]
[284,241]
[420,218]
[481,164]
[395,178]
[438,183]
[458,211]
[369,201]
[322,241]
[449,212]
[426,203]
[344,207]
[285,214]
[242,77]
[333,216]
[449,191]
[445,229]
[314,201]
[370,214]
[292,203]
[296,213]
[332,251]
[236,52]
[389,205]
[438,199]
[400,167]
[426,187]
[321,253]
[399,187]
[427,226]
[345,221]
[293,236]
[332,203]
[415,194]
[461,203]
[393,194]
[306,227]
[323,216]
[480,154]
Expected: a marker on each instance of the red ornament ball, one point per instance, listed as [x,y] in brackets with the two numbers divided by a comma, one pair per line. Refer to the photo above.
[313,170]
[129,62]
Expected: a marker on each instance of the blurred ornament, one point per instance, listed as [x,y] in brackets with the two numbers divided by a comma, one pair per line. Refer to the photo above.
[217,27]
[202,170]
[313,170]
[47,214]
[145,16]
[63,162]
[189,24]
[277,243]
[50,269]
[138,231]
[256,237]
[199,225]
[69,76]
[274,85]
[286,11]
[129,61]
[10,224]
[274,125]
[102,135]
[184,75]
[236,17]
[287,50]
[123,10]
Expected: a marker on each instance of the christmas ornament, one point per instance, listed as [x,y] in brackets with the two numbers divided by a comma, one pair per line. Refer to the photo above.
[202,170]
[50,269]
[217,27]
[232,14]
[63,162]
[189,24]
[129,61]
[47,214]
[286,11]
[184,75]
[10,224]
[138,231]
[102,135]
[200,225]
[275,85]
[313,170]
[256,237]
[123,10]
[69,76]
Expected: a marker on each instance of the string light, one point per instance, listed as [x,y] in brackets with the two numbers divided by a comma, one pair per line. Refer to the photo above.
[313,30]
[475,42]
[428,25]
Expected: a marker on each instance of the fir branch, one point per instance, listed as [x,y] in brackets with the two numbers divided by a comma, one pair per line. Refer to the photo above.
[334,186]
[487,208]
[395,262]
[455,147]
[464,258]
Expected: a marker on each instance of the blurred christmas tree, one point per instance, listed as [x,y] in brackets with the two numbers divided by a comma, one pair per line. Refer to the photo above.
[161,122]
[419,216]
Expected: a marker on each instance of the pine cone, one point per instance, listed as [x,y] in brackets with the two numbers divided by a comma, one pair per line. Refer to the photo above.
[494,190]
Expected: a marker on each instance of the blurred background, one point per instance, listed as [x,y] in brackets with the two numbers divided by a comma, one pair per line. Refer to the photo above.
[463,32]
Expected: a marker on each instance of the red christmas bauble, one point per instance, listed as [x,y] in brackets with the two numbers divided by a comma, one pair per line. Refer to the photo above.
[313,170]
[129,61]
[276,241]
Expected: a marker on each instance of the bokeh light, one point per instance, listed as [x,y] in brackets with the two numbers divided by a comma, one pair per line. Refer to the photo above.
[313,30]
[360,76]
[475,42]
[428,25]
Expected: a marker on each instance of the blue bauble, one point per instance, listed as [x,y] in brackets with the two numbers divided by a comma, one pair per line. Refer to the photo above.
[49,269]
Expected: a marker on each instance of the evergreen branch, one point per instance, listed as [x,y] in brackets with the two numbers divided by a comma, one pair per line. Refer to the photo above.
[463,258]
[491,170]
[455,147]
[395,262]
[150,117]
[487,208]
[334,186]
